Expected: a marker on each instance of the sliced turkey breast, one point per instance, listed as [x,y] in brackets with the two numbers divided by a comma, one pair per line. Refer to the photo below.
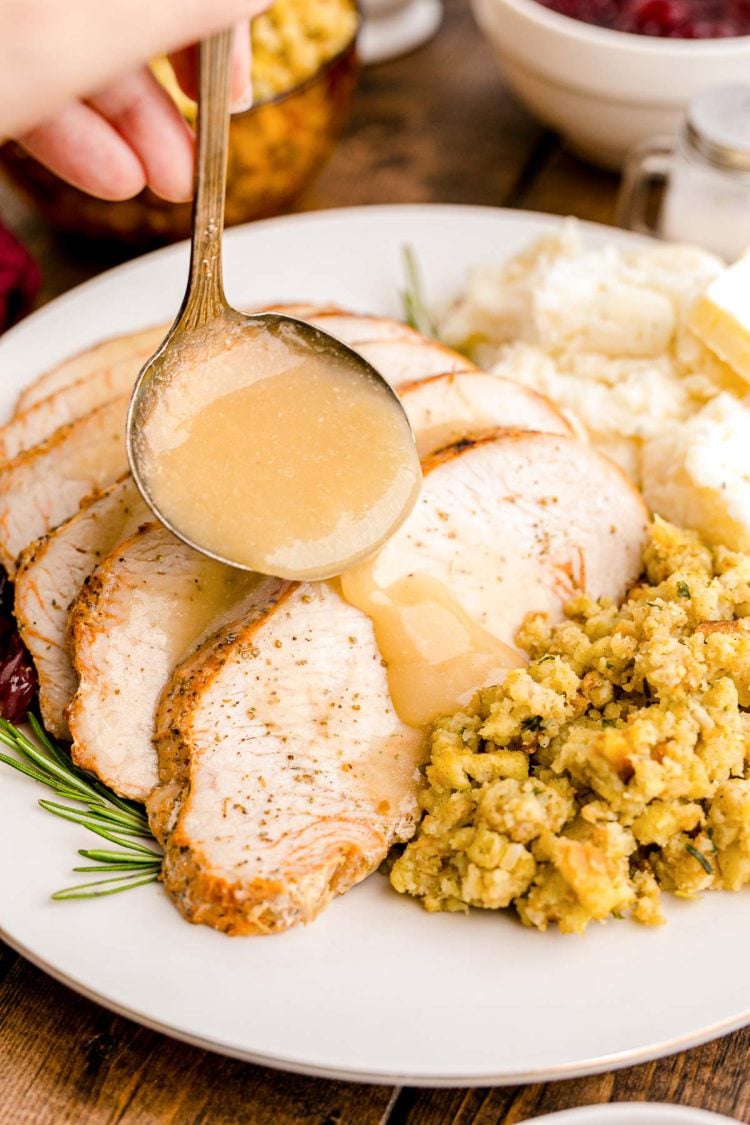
[142,611]
[135,346]
[516,522]
[444,408]
[354,329]
[40,421]
[132,350]
[50,575]
[285,773]
[302,310]
[406,359]
[46,484]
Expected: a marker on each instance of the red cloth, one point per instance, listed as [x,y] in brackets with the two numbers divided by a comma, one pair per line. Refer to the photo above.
[19,279]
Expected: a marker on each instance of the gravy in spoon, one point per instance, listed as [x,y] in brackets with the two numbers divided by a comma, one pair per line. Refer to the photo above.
[278,457]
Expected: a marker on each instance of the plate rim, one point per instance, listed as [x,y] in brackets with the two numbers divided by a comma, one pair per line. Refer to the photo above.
[583,1069]
[541,219]
[625,1110]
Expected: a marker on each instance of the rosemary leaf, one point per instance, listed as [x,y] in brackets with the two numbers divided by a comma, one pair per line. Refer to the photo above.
[108,887]
[91,817]
[120,820]
[699,856]
[100,832]
[124,805]
[415,309]
[101,855]
[81,818]
[61,790]
[42,761]
[51,747]
[22,767]
[134,868]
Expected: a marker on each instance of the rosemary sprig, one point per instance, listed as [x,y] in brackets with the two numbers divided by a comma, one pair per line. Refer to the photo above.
[97,809]
[415,309]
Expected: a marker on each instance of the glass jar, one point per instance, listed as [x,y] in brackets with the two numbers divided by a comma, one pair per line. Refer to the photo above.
[704,173]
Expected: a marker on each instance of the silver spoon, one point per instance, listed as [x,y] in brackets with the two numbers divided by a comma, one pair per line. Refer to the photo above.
[206,325]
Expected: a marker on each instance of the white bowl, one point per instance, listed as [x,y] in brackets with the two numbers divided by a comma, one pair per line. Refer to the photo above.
[603,90]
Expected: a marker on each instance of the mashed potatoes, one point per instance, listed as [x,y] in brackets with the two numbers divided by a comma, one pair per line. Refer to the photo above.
[605,334]
[614,766]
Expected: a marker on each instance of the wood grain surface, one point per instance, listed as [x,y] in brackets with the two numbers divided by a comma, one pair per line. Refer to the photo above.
[437,126]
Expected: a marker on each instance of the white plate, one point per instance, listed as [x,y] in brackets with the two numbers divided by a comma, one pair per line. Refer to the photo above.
[376,988]
[642,1113]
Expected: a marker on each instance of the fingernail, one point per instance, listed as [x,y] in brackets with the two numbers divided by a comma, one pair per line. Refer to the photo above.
[243,101]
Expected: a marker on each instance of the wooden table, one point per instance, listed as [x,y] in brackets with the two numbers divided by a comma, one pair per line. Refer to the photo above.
[435,127]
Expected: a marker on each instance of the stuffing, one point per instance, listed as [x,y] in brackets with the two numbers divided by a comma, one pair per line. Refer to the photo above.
[614,766]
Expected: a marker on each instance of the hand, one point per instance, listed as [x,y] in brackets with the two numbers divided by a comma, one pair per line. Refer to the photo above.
[75,92]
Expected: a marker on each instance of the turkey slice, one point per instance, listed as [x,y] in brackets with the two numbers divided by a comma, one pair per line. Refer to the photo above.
[286,775]
[444,408]
[517,522]
[406,359]
[354,329]
[132,350]
[142,611]
[40,421]
[50,575]
[46,484]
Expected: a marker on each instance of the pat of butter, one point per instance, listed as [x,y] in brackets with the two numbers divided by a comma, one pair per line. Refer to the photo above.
[721,317]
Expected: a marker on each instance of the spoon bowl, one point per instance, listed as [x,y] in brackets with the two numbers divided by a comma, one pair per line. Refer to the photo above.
[262,441]
[277,345]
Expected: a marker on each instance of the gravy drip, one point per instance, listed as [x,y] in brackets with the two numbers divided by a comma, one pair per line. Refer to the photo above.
[436,655]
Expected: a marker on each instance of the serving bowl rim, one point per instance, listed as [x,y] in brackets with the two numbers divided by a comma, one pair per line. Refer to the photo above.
[312,79]
[622,41]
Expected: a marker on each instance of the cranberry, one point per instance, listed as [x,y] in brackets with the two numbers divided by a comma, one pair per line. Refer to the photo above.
[18,680]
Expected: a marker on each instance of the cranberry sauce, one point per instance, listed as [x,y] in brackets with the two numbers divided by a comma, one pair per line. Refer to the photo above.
[18,682]
[671,19]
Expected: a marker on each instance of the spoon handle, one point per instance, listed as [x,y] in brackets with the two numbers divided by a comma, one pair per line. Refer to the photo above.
[205,300]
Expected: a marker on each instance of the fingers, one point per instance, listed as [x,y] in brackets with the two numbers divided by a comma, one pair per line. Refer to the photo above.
[88,152]
[242,63]
[185,65]
[73,49]
[147,119]
[129,136]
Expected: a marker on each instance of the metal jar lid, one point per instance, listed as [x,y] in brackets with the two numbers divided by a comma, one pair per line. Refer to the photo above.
[718,126]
